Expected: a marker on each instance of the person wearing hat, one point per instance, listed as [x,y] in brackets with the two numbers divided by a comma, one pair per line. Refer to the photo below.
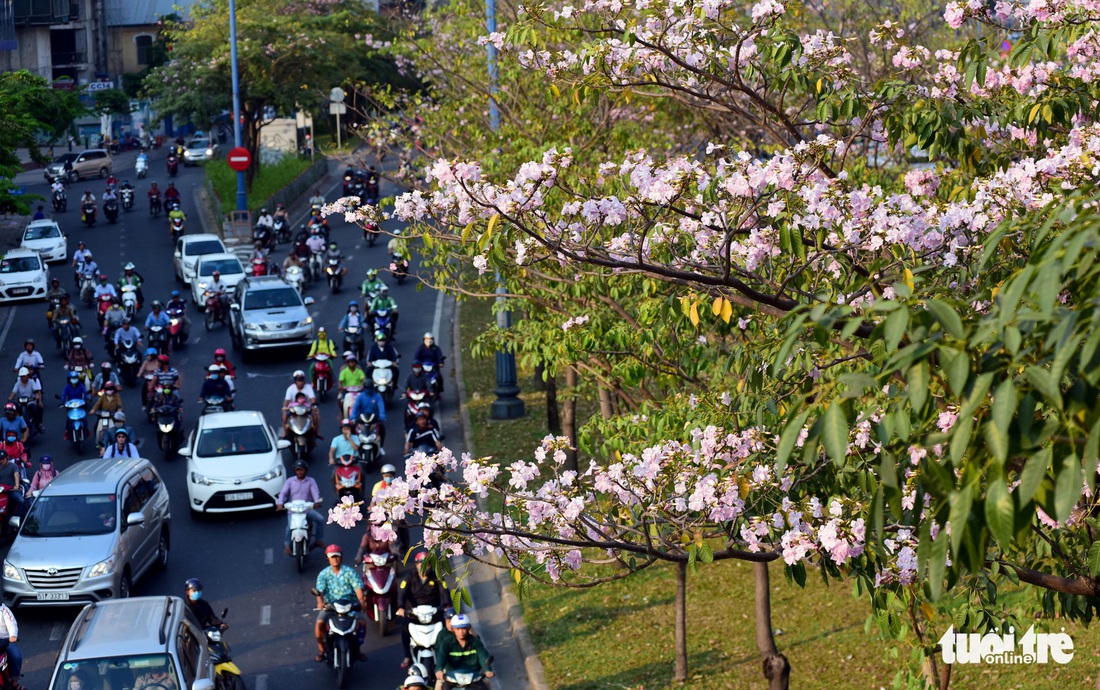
[104,288]
[383,301]
[216,385]
[322,345]
[414,682]
[121,448]
[335,582]
[351,376]
[64,310]
[302,488]
[46,473]
[108,400]
[300,386]
[130,277]
[31,389]
[105,374]
[167,374]
[178,305]
[30,358]
[80,356]
[463,652]
[419,588]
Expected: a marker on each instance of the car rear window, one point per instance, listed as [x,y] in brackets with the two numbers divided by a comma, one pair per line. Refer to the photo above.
[226,266]
[41,232]
[20,264]
[272,299]
[203,247]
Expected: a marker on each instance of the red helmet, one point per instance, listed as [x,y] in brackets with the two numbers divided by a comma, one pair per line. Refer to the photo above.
[220,352]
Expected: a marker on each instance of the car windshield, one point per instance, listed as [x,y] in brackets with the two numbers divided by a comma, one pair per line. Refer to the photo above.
[65,158]
[20,264]
[41,232]
[201,247]
[199,144]
[68,516]
[153,671]
[240,440]
[226,266]
[272,299]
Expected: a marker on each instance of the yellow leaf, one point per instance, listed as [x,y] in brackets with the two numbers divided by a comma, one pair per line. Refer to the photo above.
[716,308]
[820,84]
[699,539]
[685,305]
[466,231]
[908,279]
[727,310]
[493,223]
[744,487]
[577,96]
[1048,113]
[740,385]
[1034,112]
[554,90]
[517,575]
[694,314]
[927,610]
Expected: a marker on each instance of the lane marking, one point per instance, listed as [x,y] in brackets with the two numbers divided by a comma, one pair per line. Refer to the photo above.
[269,556]
[265,615]
[261,682]
[438,313]
[7,326]
[57,631]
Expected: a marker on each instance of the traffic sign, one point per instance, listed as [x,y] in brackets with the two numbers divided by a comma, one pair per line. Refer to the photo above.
[337,109]
[336,95]
[239,159]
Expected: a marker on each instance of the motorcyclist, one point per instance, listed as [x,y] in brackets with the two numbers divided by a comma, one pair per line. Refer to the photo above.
[109,196]
[107,400]
[53,295]
[368,403]
[352,318]
[302,488]
[11,421]
[154,196]
[127,335]
[418,380]
[167,396]
[126,184]
[171,194]
[113,319]
[87,198]
[11,475]
[222,360]
[29,358]
[204,613]
[422,433]
[177,304]
[398,244]
[216,386]
[57,186]
[372,180]
[80,356]
[259,252]
[315,241]
[104,376]
[65,310]
[131,277]
[429,351]
[104,288]
[149,367]
[74,389]
[87,267]
[301,386]
[350,376]
[176,214]
[463,652]
[167,374]
[265,220]
[371,286]
[382,349]
[384,301]
[317,200]
[420,587]
[112,182]
[45,474]
[334,253]
[27,387]
[218,288]
[158,317]
[293,259]
[323,345]
[388,473]
[121,448]
[334,583]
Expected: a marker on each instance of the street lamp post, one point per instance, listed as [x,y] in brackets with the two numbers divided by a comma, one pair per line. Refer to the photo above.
[508,404]
[242,195]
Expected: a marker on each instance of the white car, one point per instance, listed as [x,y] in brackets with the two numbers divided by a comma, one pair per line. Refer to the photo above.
[188,250]
[23,275]
[234,463]
[228,264]
[45,237]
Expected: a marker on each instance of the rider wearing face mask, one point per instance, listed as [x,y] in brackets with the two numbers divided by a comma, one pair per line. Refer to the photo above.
[203,611]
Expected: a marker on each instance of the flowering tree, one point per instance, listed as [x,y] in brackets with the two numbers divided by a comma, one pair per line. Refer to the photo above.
[909,351]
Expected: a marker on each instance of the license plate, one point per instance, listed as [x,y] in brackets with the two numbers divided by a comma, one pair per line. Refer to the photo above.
[240,496]
[15,292]
[53,596]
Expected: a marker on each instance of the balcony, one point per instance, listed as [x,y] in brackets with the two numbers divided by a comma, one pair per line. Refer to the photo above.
[29,12]
[68,59]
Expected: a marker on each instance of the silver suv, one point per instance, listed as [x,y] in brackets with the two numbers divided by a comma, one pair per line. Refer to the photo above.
[267,312]
[90,535]
[73,166]
[127,644]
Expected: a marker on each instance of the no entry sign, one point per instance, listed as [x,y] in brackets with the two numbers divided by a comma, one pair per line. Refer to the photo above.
[239,159]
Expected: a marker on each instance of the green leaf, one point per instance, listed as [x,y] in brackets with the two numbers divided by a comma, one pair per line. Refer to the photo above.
[956,368]
[937,564]
[999,511]
[918,381]
[1094,558]
[947,317]
[788,439]
[1035,469]
[997,440]
[1067,488]
[834,432]
[894,327]
[960,513]
[706,554]
[1044,383]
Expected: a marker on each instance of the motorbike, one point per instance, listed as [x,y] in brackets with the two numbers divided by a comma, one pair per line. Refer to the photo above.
[379,573]
[215,309]
[322,375]
[227,676]
[350,394]
[259,267]
[8,525]
[316,266]
[155,206]
[141,168]
[382,376]
[371,193]
[371,233]
[349,182]
[353,341]
[299,421]
[282,229]
[127,199]
[383,321]
[370,443]
[263,235]
[66,332]
[435,380]
[424,630]
[25,404]
[172,204]
[175,227]
[175,327]
[173,165]
[341,640]
[168,431]
[158,338]
[212,404]
[74,424]
[334,274]
[399,266]
[60,201]
[87,214]
[103,424]
[129,300]
[110,210]
[348,478]
[301,531]
[296,277]
[148,392]
[87,289]
[129,361]
[416,401]
[460,679]
[102,308]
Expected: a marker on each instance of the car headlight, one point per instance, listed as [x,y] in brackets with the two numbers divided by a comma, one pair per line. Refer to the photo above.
[210,152]
[251,326]
[274,473]
[305,322]
[199,479]
[102,568]
[12,573]
[202,286]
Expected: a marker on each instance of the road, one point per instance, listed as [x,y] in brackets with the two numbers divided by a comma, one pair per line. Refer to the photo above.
[239,559]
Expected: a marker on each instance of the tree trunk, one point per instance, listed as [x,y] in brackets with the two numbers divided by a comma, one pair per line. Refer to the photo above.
[680,669]
[569,417]
[553,413]
[776,667]
[607,409]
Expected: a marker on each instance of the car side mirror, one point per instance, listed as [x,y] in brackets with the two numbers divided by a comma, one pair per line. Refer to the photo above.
[233,306]
[310,301]
[282,444]
[135,519]
[184,452]
[202,684]
[14,522]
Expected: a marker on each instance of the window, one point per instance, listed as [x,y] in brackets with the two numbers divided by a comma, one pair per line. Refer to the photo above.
[241,440]
[189,655]
[144,49]
[277,298]
[63,516]
[20,264]
[140,492]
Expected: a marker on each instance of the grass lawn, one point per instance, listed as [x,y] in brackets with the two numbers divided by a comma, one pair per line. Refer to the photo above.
[619,636]
[269,179]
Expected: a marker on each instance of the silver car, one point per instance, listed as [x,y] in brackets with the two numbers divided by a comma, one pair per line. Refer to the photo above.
[90,535]
[151,642]
[199,151]
[268,312]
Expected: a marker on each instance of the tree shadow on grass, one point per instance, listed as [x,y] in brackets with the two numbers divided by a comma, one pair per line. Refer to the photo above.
[649,676]
[562,619]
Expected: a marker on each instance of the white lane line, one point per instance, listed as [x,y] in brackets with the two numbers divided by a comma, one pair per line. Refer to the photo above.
[7,326]
[269,556]
[57,631]
[261,682]
[265,615]
[438,313]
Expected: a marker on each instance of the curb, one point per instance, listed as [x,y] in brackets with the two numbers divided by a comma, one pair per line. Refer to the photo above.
[536,674]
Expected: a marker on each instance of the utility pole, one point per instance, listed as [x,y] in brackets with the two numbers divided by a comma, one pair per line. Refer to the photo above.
[242,195]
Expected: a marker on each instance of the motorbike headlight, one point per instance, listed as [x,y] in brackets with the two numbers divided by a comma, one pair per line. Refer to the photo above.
[305,322]
[102,568]
[199,479]
[12,573]
[274,473]
[165,428]
[210,152]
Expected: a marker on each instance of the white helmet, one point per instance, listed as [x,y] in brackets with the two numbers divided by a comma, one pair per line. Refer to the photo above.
[389,469]
[429,336]
[414,681]
[24,371]
[213,367]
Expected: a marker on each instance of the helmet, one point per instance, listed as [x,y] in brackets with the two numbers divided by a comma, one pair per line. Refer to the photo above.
[460,621]
[420,556]
[81,244]
[120,417]
[353,303]
[192,583]
[10,407]
[45,460]
[102,277]
[78,340]
[3,453]
[332,245]
[333,549]
[213,367]
[125,182]
[422,414]
[389,469]
[126,320]
[379,335]
[429,336]
[150,352]
[24,371]
[87,253]
[28,341]
[109,386]
[217,274]
[263,210]
[129,266]
[414,681]
[279,206]
[54,281]
[73,376]
[372,273]
[220,352]
[345,422]
[162,358]
[321,330]
[156,304]
[384,290]
[175,294]
[122,431]
[417,367]
[298,374]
